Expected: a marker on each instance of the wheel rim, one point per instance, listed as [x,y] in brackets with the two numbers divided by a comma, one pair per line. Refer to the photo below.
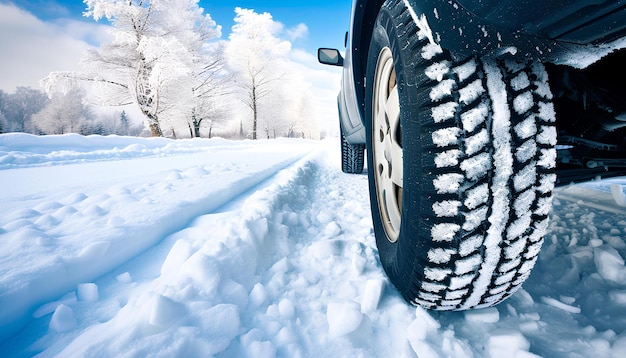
[387,145]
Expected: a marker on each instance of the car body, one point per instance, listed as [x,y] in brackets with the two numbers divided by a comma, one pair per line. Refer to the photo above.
[577,33]
[569,55]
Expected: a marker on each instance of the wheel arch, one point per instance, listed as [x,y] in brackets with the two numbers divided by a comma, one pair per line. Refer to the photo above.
[364,16]
[464,33]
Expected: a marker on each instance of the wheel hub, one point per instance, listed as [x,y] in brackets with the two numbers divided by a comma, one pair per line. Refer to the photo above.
[387,145]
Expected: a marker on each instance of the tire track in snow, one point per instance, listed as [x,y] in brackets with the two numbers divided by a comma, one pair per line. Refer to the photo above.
[103,234]
[281,271]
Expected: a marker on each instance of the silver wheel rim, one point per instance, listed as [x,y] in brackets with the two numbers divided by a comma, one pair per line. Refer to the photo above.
[387,145]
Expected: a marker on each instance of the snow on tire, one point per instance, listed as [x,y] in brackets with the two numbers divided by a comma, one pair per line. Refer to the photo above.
[461,166]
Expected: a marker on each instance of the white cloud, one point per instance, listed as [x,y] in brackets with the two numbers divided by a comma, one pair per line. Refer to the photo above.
[30,49]
[300,31]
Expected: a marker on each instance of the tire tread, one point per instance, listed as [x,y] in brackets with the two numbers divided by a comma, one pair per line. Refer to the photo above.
[457,257]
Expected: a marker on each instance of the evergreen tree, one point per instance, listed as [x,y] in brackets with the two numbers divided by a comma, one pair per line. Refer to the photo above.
[124,125]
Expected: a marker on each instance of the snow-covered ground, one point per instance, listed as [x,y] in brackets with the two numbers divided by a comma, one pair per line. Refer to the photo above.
[114,246]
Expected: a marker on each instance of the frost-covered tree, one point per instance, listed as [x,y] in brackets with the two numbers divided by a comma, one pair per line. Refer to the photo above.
[299,123]
[211,80]
[65,113]
[269,75]
[124,124]
[288,108]
[257,55]
[210,113]
[151,59]
[117,123]
[19,107]
[3,121]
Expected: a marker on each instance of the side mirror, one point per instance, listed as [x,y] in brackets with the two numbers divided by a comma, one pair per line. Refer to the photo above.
[329,56]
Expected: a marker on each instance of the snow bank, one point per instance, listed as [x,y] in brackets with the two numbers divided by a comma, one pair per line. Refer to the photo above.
[26,150]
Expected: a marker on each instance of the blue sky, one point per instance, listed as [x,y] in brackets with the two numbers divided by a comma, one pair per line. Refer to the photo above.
[327,20]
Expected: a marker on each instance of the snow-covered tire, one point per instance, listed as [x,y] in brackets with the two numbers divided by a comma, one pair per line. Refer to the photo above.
[461,166]
[352,156]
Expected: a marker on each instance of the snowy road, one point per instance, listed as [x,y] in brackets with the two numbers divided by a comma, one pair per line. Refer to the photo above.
[135,247]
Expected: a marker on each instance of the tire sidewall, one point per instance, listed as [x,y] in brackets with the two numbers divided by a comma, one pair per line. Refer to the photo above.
[397,258]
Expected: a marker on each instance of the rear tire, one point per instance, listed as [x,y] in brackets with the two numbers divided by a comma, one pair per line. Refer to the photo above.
[352,156]
[461,166]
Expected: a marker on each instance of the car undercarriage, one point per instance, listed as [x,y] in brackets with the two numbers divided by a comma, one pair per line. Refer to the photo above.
[590,107]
